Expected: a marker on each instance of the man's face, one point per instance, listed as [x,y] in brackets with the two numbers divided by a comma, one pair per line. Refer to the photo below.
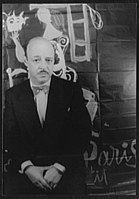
[40,61]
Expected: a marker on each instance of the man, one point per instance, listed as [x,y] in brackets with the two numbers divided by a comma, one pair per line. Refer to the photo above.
[47,129]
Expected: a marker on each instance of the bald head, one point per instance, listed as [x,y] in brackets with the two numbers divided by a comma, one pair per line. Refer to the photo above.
[39,42]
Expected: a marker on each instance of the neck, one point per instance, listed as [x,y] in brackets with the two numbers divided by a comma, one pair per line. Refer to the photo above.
[47,83]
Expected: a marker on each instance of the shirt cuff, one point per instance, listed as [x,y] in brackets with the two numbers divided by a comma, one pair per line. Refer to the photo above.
[24,165]
[60,167]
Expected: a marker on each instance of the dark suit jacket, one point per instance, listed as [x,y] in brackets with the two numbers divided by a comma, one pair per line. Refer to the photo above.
[66,131]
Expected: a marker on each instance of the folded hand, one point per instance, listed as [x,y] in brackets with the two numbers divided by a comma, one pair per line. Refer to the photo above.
[35,174]
[52,176]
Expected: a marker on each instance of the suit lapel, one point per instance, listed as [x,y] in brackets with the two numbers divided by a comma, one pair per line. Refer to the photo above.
[55,103]
[29,111]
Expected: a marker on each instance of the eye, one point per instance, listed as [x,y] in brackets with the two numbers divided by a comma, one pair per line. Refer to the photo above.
[48,60]
[36,60]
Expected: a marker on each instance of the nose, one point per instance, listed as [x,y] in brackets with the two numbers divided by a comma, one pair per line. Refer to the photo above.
[43,64]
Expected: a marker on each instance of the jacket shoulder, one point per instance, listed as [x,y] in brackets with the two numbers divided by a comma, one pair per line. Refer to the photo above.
[17,88]
[65,82]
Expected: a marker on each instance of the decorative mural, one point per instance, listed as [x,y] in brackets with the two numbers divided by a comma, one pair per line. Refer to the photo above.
[111,158]
[14,25]
[95,43]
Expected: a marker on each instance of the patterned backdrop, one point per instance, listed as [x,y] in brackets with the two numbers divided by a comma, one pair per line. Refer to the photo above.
[102,51]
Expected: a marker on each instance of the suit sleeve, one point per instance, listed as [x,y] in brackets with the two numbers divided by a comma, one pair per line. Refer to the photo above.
[78,132]
[15,141]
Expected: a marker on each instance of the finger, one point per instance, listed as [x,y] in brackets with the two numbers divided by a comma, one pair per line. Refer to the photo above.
[51,184]
[47,167]
[38,184]
[41,186]
[45,184]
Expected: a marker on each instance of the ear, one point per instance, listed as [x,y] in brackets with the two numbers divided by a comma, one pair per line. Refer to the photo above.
[53,44]
[56,58]
[25,61]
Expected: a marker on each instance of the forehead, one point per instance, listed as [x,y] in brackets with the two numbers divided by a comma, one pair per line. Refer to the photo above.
[40,48]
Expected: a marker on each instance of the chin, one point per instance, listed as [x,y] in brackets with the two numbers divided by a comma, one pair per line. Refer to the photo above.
[43,80]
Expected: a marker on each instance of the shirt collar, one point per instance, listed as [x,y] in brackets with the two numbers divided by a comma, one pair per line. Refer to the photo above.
[45,84]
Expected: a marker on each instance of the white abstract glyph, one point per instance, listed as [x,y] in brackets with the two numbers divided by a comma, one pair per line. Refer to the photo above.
[14,23]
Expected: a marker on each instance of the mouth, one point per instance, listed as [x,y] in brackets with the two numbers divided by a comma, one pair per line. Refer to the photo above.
[43,73]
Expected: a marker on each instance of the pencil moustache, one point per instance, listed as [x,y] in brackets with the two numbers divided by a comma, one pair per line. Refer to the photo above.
[43,71]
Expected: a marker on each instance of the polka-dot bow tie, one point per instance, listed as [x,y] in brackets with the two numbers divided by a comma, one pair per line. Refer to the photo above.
[37,89]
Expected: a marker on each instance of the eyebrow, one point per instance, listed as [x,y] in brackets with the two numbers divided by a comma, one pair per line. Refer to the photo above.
[49,58]
[37,56]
